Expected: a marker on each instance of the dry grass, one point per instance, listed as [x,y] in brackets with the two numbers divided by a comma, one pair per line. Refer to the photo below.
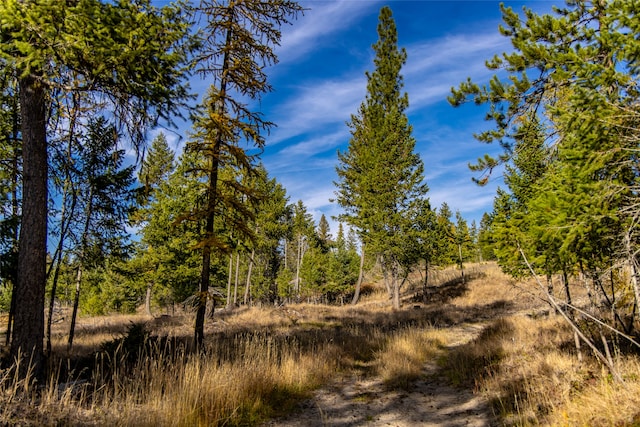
[403,358]
[260,362]
[525,362]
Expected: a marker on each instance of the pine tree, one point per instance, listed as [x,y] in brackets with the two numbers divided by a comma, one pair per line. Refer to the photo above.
[324,233]
[132,57]
[485,238]
[426,230]
[104,198]
[165,257]
[381,178]
[238,44]
[579,69]
[445,249]
[273,229]
[156,166]
[462,239]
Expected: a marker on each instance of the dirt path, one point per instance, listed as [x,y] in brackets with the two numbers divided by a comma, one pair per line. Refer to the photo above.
[432,401]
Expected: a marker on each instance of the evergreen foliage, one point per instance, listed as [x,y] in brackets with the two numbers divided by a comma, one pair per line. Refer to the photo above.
[566,116]
[380,177]
[236,44]
[131,59]
[73,87]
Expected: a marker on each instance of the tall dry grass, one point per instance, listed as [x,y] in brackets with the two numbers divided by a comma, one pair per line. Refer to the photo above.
[490,334]
[525,362]
[259,363]
[402,359]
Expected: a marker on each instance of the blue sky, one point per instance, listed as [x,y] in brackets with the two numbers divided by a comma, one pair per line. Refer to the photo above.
[320,81]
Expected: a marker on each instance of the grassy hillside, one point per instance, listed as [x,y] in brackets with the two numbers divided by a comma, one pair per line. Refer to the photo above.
[487,334]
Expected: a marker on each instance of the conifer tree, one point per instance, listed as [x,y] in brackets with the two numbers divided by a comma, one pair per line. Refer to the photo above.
[237,43]
[273,227]
[485,238]
[579,69]
[165,259]
[104,198]
[156,166]
[380,176]
[155,170]
[462,239]
[132,59]
[426,230]
[445,249]
[324,233]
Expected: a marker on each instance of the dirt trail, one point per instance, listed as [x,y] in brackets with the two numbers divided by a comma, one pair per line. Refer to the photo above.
[431,401]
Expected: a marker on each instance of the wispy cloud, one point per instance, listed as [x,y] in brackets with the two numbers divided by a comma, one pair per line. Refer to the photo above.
[317,105]
[322,20]
[433,67]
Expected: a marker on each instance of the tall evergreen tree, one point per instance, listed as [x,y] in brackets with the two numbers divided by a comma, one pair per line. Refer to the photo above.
[165,259]
[155,170]
[380,176]
[485,238]
[462,239]
[445,248]
[579,68]
[156,167]
[132,58]
[237,44]
[273,229]
[104,197]
[426,241]
[324,232]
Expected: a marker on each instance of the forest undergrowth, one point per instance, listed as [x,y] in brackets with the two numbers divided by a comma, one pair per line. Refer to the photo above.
[260,362]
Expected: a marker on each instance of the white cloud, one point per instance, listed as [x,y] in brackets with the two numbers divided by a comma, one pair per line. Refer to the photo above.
[312,120]
[433,67]
[315,28]
[464,195]
[316,105]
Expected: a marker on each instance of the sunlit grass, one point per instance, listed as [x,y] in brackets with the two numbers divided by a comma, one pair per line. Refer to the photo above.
[487,334]
[403,358]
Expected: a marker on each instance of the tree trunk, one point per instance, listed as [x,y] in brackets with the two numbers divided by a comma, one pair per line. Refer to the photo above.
[52,297]
[570,314]
[28,322]
[147,299]
[206,252]
[567,291]
[229,279]
[12,311]
[425,283]
[74,314]
[286,245]
[65,221]
[461,262]
[247,288]
[235,285]
[296,290]
[633,266]
[356,295]
[65,218]
[81,260]
[385,275]
[395,286]
[636,287]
